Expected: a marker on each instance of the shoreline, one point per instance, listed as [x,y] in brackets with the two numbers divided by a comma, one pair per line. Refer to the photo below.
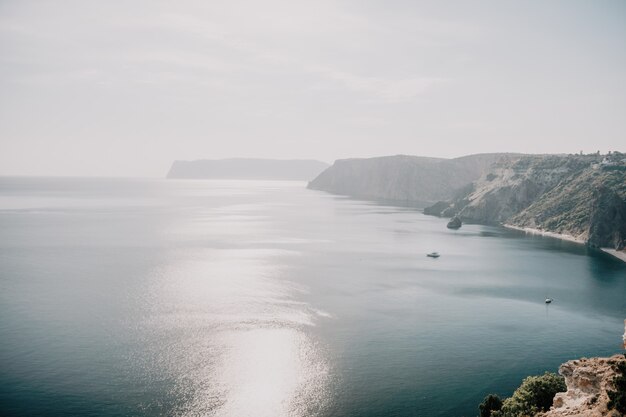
[621,255]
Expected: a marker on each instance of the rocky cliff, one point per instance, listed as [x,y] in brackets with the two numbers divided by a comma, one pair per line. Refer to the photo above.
[583,196]
[593,387]
[590,385]
[404,178]
[513,185]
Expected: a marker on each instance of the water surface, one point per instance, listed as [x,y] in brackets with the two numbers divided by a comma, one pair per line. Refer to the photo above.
[244,298]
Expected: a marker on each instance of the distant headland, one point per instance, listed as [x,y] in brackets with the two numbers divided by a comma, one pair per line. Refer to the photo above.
[247,168]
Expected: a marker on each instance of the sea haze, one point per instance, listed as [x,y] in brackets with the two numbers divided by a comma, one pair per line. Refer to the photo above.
[263,298]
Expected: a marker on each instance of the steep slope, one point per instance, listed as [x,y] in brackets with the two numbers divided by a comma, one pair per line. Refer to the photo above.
[590,206]
[579,195]
[402,177]
[247,168]
[511,186]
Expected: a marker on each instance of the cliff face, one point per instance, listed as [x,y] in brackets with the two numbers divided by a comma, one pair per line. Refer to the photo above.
[513,185]
[579,195]
[590,204]
[607,226]
[574,195]
[402,177]
[588,384]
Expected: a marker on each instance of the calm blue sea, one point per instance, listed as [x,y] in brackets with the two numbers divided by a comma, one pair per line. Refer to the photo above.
[135,297]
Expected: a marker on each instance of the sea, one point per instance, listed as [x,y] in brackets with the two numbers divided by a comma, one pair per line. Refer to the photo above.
[151,297]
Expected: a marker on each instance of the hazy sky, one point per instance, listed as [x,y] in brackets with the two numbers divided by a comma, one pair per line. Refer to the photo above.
[125,87]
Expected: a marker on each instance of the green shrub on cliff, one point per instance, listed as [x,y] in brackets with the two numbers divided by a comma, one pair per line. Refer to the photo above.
[490,404]
[534,395]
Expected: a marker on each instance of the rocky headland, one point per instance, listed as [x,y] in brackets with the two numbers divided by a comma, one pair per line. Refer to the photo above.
[578,197]
[404,178]
[247,168]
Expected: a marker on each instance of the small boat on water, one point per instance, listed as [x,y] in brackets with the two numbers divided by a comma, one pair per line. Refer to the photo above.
[455,223]
[433,255]
[549,300]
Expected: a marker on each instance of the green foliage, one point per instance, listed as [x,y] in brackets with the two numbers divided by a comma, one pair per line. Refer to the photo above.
[490,404]
[617,398]
[534,395]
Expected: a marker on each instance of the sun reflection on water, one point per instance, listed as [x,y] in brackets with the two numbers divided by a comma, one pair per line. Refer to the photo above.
[271,372]
[235,336]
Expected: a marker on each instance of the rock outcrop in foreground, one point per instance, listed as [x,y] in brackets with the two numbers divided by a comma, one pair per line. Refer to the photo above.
[588,383]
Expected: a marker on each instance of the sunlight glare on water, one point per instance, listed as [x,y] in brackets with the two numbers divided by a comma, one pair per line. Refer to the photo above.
[271,372]
[250,355]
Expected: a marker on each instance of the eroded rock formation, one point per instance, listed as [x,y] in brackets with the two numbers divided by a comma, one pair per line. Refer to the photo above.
[588,382]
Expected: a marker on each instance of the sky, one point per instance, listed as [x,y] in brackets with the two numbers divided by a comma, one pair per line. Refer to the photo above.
[123,88]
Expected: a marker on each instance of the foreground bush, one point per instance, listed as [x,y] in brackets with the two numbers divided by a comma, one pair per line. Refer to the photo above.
[490,404]
[534,395]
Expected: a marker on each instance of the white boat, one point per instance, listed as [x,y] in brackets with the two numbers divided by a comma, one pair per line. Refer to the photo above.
[433,255]
[549,300]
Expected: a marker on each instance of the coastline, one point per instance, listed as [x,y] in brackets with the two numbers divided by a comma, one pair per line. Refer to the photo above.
[621,255]
[532,231]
